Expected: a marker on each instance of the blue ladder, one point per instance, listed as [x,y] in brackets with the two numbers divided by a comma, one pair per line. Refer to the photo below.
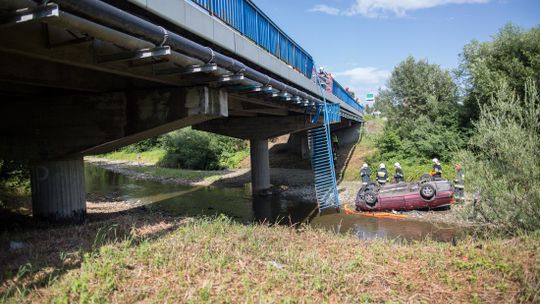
[322,160]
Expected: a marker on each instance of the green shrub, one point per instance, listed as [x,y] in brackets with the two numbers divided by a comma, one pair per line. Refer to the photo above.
[144,145]
[502,160]
[192,149]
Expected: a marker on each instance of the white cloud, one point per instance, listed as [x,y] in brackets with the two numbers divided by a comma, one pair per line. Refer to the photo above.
[363,80]
[322,8]
[381,8]
[365,75]
[377,8]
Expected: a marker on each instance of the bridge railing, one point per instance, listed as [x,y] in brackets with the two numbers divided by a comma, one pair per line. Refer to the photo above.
[248,19]
[333,111]
[342,94]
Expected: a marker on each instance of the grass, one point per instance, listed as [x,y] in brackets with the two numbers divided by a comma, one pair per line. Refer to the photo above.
[149,157]
[218,260]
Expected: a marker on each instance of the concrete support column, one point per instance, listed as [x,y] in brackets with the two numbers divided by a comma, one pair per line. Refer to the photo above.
[260,165]
[349,135]
[298,144]
[58,192]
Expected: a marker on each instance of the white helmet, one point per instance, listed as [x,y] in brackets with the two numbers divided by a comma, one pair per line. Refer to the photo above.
[364,165]
[435,160]
[397,165]
[382,166]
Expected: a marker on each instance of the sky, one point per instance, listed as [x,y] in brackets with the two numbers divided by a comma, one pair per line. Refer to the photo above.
[360,41]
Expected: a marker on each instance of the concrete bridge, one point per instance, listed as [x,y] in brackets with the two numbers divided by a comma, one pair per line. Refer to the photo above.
[82,77]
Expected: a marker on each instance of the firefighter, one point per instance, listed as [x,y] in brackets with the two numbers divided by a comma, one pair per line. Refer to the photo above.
[459,184]
[335,141]
[382,175]
[399,177]
[365,174]
[437,169]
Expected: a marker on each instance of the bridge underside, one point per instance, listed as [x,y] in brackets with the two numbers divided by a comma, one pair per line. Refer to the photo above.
[70,87]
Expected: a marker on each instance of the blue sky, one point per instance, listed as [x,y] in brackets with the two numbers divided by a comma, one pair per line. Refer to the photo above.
[360,41]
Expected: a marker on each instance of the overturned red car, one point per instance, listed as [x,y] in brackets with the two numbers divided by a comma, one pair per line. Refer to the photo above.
[427,193]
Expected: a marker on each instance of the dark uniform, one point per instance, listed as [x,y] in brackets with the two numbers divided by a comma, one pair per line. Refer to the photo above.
[382,176]
[437,170]
[335,141]
[365,174]
[459,184]
[400,177]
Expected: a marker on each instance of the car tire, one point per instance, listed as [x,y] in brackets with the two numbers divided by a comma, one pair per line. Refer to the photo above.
[427,191]
[370,198]
[370,186]
[425,178]
[360,196]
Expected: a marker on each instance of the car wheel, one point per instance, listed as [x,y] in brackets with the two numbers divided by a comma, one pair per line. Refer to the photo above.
[371,186]
[425,178]
[370,198]
[427,191]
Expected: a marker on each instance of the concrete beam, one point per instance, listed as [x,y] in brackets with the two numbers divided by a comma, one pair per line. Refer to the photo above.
[19,69]
[298,144]
[348,133]
[56,127]
[83,55]
[263,127]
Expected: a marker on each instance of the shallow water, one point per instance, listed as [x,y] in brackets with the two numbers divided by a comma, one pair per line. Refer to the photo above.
[238,203]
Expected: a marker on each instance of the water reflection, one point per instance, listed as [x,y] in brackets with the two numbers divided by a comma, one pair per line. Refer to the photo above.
[371,227]
[238,203]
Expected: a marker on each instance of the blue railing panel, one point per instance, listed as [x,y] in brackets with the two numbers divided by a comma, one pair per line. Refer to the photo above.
[245,17]
[263,33]
[230,11]
[250,22]
[273,38]
[342,94]
[283,48]
[203,3]
[333,111]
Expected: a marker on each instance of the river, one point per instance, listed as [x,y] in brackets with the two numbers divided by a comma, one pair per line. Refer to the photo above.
[238,204]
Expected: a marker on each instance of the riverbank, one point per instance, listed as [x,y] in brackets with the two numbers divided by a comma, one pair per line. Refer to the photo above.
[128,254]
[290,184]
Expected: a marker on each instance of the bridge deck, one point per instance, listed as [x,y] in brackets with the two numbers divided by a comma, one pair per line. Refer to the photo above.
[189,16]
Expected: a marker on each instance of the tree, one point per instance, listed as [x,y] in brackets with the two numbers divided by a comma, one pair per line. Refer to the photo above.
[512,57]
[421,104]
[502,158]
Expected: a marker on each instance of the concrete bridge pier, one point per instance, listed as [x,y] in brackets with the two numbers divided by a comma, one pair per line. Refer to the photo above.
[298,143]
[349,135]
[260,166]
[58,192]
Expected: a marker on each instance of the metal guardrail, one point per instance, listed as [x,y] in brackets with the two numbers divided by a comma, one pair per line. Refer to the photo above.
[333,111]
[342,94]
[248,19]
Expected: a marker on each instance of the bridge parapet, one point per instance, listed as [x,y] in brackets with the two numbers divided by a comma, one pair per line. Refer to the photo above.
[225,26]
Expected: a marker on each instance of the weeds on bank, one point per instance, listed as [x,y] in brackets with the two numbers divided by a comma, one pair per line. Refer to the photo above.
[220,260]
[148,157]
[184,174]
